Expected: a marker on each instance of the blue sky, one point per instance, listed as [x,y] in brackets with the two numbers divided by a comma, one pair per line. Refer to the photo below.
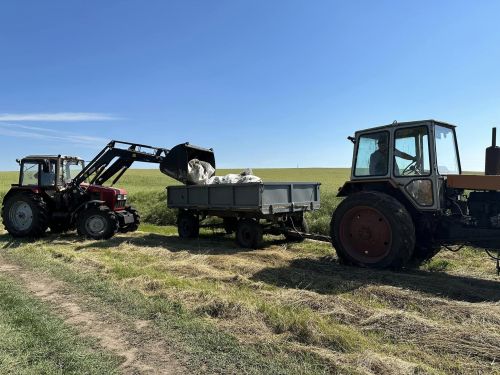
[265,83]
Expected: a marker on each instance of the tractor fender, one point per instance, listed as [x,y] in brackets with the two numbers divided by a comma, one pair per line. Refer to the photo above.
[381,185]
[84,206]
[17,189]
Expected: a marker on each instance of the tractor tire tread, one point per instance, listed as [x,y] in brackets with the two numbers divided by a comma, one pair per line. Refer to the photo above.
[103,210]
[403,228]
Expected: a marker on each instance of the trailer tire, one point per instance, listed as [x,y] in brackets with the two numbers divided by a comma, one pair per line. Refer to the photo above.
[249,234]
[97,223]
[298,223]
[373,229]
[188,225]
[25,215]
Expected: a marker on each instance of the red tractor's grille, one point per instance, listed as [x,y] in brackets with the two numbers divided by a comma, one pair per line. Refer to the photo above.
[121,203]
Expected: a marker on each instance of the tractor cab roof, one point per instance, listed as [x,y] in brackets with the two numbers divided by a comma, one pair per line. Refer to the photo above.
[407,123]
[43,157]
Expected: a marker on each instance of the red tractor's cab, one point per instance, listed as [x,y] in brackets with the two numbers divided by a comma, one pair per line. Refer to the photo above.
[49,171]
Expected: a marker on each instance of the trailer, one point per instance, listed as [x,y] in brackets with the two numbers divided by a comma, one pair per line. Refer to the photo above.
[247,209]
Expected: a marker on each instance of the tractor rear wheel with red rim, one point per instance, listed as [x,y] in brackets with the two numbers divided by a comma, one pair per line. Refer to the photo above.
[373,229]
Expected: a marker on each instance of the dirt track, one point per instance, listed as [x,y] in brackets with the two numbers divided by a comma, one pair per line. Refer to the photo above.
[142,352]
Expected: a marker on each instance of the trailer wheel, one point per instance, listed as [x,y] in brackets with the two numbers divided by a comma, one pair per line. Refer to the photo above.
[373,229]
[188,225]
[296,223]
[97,223]
[25,215]
[249,234]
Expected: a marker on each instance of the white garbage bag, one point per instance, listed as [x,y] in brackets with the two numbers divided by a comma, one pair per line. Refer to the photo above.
[199,172]
[202,173]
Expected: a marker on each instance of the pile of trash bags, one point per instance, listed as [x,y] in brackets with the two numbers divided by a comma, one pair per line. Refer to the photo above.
[203,173]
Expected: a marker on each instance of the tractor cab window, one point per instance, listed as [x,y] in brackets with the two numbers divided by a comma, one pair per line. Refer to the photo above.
[372,157]
[411,152]
[71,168]
[446,151]
[29,176]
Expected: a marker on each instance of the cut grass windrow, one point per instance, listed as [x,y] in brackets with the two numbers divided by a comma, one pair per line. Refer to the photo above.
[207,348]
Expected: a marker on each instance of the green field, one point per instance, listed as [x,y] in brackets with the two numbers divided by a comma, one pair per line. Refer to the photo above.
[207,306]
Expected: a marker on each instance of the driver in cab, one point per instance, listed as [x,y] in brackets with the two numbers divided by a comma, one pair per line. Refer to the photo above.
[379,158]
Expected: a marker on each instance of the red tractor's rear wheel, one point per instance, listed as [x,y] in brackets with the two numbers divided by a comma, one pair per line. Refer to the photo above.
[25,215]
[373,229]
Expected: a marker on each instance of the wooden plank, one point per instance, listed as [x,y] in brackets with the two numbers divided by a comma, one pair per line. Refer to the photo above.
[474,182]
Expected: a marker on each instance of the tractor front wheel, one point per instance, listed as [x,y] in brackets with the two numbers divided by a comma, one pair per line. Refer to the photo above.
[97,223]
[373,229]
[25,215]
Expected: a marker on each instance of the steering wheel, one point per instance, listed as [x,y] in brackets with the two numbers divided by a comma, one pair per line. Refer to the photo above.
[411,169]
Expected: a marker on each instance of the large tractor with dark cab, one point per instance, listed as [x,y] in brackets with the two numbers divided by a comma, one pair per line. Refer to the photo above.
[62,193]
[407,197]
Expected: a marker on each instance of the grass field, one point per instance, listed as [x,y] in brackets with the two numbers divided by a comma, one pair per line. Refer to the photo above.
[157,303]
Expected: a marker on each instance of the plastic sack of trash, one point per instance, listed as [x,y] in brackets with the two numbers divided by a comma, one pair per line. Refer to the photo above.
[246,176]
[202,173]
[199,172]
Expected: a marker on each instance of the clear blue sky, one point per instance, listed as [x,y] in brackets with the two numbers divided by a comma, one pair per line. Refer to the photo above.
[265,83]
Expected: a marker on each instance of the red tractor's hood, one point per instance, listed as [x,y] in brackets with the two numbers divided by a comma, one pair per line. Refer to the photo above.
[99,188]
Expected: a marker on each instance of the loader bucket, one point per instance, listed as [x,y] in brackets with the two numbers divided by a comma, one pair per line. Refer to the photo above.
[175,163]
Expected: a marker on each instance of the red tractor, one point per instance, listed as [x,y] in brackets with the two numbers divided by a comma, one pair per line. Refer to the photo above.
[61,193]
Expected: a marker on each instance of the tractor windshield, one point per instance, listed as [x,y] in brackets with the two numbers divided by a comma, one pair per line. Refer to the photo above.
[71,168]
[446,151]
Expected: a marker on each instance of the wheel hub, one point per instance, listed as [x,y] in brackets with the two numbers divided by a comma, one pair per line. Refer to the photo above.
[21,215]
[95,224]
[366,234]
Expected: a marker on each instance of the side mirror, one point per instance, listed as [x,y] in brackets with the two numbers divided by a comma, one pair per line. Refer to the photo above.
[46,166]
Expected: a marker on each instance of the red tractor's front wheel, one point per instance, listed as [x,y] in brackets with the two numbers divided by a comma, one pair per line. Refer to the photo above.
[373,229]
[98,223]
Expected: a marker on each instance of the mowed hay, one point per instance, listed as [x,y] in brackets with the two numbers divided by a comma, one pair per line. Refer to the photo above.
[441,318]
[371,321]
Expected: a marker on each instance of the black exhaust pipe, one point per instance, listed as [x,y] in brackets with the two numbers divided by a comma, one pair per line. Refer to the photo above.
[492,167]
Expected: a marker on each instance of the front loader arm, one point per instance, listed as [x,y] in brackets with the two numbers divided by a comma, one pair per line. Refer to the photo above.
[115,159]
